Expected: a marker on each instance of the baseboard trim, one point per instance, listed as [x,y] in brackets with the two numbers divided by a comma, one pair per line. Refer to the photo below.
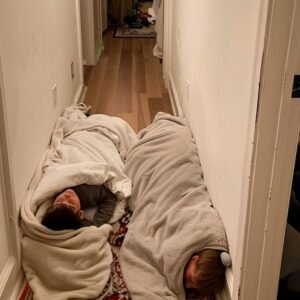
[176,107]
[19,287]
[80,94]
[7,273]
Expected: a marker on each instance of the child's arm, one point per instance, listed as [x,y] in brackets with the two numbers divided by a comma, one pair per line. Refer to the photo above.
[106,204]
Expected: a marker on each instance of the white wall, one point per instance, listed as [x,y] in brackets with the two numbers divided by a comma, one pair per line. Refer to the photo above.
[38,42]
[217,47]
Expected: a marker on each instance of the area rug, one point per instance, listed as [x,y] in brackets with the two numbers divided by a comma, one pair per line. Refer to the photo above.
[146,32]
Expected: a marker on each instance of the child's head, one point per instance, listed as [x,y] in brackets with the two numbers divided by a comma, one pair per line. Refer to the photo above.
[64,213]
[205,272]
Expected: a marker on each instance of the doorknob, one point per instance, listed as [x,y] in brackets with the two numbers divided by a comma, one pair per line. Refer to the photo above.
[296,87]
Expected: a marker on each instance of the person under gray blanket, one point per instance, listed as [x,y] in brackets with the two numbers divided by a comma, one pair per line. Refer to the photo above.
[67,210]
[176,238]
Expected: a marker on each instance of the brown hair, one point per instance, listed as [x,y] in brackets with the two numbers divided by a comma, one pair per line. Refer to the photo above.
[61,217]
[209,272]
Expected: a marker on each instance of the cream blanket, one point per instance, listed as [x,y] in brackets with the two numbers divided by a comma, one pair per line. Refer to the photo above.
[74,264]
[173,216]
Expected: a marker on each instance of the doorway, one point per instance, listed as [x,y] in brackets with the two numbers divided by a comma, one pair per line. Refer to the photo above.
[289,282]
[277,135]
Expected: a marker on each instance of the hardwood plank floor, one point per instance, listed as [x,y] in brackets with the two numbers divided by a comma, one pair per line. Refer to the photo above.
[127,81]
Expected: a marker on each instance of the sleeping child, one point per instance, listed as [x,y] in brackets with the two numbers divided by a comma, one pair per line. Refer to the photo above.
[82,168]
[67,210]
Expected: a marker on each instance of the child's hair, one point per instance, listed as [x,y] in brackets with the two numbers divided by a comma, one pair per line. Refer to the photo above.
[209,272]
[61,217]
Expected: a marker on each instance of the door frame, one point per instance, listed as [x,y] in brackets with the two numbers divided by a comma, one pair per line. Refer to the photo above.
[277,133]
[167,54]
[10,275]
[91,47]
[79,41]
[87,31]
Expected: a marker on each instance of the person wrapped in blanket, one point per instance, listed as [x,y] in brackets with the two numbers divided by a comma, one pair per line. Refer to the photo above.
[67,209]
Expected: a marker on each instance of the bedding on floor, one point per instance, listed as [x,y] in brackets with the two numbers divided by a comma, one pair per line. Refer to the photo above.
[74,264]
[173,216]
[164,212]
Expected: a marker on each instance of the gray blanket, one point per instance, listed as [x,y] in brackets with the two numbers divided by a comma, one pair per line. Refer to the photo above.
[173,216]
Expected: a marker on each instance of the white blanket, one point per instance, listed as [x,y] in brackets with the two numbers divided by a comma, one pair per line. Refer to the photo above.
[74,264]
[173,216]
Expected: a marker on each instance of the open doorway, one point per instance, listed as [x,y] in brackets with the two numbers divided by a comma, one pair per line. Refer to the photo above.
[277,128]
[119,11]
[289,283]
[133,18]
[129,18]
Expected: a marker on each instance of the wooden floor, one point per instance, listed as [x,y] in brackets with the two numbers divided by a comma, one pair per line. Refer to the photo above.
[127,81]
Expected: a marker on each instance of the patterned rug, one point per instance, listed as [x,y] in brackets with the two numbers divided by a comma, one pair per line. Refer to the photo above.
[146,32]
[116,289]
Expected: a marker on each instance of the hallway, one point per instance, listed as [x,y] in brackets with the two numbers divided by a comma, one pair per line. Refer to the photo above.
[127,81]
[229,69]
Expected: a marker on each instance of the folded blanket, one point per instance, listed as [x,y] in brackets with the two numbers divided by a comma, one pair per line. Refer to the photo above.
[74,264]
[173,216]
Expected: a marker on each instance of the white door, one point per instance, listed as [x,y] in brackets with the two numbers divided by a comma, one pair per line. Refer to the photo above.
[10,251]
[277,132]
